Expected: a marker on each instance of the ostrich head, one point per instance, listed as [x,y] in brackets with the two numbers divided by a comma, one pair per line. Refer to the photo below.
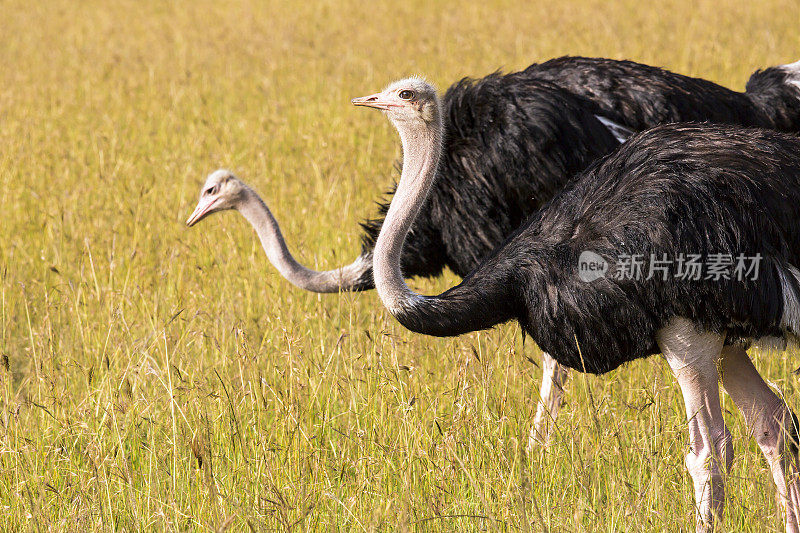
[221,191]
[406,101]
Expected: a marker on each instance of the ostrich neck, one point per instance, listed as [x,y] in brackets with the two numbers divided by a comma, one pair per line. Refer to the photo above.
[485,297]
[422,145]
[350,277]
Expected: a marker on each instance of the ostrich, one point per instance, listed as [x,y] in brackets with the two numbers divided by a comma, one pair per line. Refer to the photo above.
[675,190]
[514,140]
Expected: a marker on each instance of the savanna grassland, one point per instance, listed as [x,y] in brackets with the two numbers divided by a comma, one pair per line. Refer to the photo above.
[156,377]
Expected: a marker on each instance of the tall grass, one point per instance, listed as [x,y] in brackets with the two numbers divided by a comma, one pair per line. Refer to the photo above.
[155,377]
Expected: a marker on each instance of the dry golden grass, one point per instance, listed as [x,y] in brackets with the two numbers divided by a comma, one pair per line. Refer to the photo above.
[165,378]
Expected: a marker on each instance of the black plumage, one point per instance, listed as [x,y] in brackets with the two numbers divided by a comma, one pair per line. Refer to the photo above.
[513,141]
[676,189]
[642,96]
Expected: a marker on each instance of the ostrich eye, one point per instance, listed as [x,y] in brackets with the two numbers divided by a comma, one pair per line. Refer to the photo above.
[406,94]
[212,190]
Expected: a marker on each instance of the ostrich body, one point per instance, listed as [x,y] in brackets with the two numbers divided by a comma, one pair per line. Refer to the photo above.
[640,96]
[515,140]
[676,189]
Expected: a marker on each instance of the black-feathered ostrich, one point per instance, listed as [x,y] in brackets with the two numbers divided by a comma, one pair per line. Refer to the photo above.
[672,191]
[514,140]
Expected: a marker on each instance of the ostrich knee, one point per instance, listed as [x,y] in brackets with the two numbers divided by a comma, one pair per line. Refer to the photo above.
[551,395]
[708,462]
[712,457]
[776,433]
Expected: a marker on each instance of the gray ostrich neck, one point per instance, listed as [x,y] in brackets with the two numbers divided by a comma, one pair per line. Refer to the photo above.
[349,277]
[421,151]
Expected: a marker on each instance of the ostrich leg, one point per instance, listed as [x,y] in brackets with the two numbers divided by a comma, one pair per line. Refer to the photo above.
[692,355]
[772,423]
[551,394]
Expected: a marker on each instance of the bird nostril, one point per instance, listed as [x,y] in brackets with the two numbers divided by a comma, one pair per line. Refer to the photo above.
[372,98]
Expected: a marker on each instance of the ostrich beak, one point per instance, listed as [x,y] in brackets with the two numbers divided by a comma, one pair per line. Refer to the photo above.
[203,208]
[377,100]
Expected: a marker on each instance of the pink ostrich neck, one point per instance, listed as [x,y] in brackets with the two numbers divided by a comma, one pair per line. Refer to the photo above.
[253,208]
[422,146]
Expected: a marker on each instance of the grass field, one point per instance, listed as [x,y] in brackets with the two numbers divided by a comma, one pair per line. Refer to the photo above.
[159,377]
